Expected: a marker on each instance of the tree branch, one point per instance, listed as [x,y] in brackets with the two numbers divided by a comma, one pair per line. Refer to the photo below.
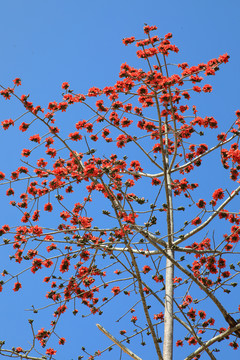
[123,347]
[203,225]
[213,340]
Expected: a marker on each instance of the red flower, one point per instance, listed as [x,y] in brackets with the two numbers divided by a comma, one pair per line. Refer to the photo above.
[237,113]
[146,290]
[65,215]
[201,204]
[91,170]
[158,278]
[26,152]
[24,126]
[36,230]
[221,263]
[2,231]
[22,170]
[17,81]
[62,106]
[62,341]
[211,321]
[179,343]
[207,88]
[32,253]
[94,137]
[202,314]
[192,314]
[15,175]
[85,255]
[2,175]
[17,286]
[47,263]
[100,106]
[36,138]
[183,65]
[52,152]
[50,351]
[148,28]
[94,91]
[146,269]
[192,341]
[75,136]
[156,181]
[49,141]
[129,183]
[226,274]
[35,216]
[126,122]
[130,218]
[6,93]
[218,194]
[196,221]
[222,136]
[197,89]
[25,217]
[223,58]
[7,123]
[85,221]
[234,345]
[51,247]
[60,310]
[6,228]
[159,316]
[129,40]
[36,265]
[223,214]
[133,319]
[209,71]
[64,266]
[122,140]
[42,334]
[115,290]
[65,85]
[48,207]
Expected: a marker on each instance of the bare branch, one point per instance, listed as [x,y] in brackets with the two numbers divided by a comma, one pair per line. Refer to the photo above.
[118,343]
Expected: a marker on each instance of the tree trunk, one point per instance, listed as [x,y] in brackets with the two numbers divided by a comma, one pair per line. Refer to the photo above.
[168,315]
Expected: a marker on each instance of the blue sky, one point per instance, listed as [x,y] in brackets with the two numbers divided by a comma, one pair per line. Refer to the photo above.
[48,42]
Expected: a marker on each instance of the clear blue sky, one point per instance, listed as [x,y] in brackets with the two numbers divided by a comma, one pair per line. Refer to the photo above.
[48,42]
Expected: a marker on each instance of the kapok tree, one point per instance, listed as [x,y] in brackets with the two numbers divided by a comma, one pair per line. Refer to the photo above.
[128,219]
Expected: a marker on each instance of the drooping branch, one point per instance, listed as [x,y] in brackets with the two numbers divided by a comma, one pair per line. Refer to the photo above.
[118,343]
